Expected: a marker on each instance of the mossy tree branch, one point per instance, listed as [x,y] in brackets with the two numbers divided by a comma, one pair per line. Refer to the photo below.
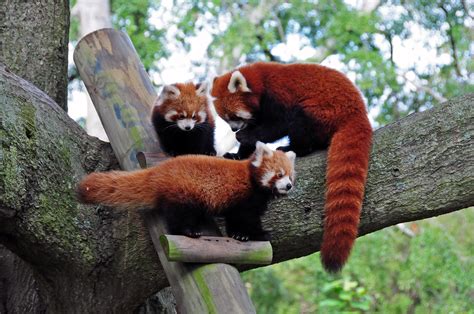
[421,166]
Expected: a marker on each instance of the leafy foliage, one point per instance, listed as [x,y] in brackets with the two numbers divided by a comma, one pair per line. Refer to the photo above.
[133,17]
[388,272]
[364,41]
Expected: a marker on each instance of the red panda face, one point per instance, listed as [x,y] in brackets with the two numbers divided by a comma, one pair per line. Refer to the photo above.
[233,100]
[274,170]
[184,104]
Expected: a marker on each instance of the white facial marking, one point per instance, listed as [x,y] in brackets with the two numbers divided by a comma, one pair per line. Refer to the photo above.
[267,177]
[281,184]
[202,115]
[243,114]
[237,82]
[169,114]
[186,124]
[236,125]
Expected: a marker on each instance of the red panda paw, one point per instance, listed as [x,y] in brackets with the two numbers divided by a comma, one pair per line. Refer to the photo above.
[192,233]
[240,237]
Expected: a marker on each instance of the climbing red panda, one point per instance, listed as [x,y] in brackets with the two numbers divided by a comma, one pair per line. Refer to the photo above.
[187,188]
[183,121]
[316,107]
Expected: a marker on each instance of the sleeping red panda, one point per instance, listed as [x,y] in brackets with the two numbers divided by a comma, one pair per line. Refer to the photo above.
[186,188]
[183,120]
[316,107]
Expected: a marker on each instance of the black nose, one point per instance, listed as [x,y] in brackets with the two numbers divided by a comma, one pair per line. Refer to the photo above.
[187,128]
[234,129]
[289,186]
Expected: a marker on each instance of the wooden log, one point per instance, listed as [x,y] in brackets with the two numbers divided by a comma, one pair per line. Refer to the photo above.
[123,95]
[148,159]
[207,249]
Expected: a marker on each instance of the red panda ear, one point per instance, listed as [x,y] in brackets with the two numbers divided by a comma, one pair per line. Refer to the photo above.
[291,156]
[201,89]
[261,150]
[238,82]
[169,92]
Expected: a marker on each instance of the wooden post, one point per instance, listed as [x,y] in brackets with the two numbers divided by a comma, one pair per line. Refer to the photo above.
[215,250]
[123,95]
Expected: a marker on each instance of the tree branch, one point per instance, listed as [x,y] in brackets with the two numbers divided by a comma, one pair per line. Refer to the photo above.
[452,42]
[421,166]
[80,254]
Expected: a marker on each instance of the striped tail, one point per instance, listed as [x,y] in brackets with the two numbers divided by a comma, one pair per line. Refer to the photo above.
[348,159]
[117,188]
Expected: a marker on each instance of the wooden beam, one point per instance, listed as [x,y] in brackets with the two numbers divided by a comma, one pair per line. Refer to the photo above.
[207,249]
[123,95]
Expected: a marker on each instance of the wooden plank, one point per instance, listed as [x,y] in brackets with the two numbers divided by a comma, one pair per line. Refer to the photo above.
[207,249]
[123,95]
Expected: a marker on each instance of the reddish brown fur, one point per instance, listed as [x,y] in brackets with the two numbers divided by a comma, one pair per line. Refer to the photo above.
[210,182]
[329,98]
[187,102]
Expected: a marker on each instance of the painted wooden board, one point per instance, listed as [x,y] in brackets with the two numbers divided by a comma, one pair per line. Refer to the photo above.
[123,95]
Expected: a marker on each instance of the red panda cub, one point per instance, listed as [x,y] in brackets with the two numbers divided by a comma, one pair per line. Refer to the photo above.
[316,107]
[183,120]
[187,188]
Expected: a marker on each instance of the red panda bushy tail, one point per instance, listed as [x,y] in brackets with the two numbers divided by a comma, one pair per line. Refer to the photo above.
[348,159]
[117,188]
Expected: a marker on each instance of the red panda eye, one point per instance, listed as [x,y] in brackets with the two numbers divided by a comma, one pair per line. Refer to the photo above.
[280,175]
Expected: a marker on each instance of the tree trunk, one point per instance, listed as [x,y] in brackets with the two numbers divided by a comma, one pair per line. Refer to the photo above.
[81,256]
[88,258]
[33,44]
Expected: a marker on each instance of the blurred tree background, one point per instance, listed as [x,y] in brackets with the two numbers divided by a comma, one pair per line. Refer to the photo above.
[405,56]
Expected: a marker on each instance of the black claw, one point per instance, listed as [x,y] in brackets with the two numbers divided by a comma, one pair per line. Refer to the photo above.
[240,237]
[192,234]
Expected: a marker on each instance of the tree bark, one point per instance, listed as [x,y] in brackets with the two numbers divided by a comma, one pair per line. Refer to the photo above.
[84,258]
[33,44]
[88,258]
[18,288]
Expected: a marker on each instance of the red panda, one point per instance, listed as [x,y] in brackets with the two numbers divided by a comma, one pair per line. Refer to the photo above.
[187,188]
[316,107]
[183,120]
